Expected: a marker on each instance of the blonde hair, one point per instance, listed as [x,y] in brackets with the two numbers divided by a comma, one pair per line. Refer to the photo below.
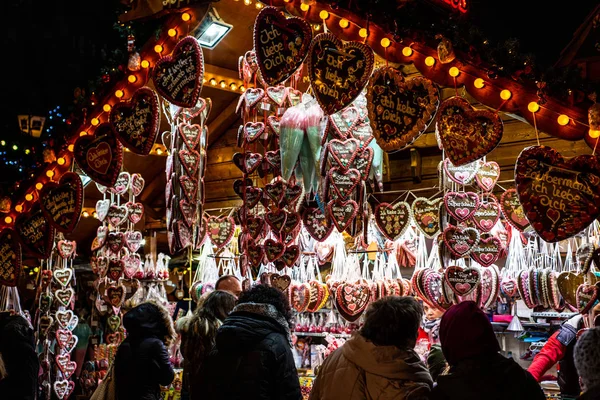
[3,373]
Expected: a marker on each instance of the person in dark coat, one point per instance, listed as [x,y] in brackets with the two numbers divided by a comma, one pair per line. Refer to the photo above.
[142,361]
[252,359]
[17,354]
[587,361]
[477,370]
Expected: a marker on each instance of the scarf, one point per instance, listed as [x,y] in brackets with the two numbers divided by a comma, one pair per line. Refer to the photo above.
[432,328]
[266,310]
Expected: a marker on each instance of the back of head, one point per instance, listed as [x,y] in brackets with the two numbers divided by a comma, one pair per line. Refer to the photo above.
[217,305]
[393,321]
[149,320]
[587,358]
[263,294]
[466,332]
[229,283]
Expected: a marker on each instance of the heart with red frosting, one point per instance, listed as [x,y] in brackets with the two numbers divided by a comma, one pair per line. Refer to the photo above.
[188,211]
[10,258]
[136,121]
[133,240]
[115,295]
[137,184]
[117,215]
[338,71]
[392,219]
[317,223]
[276,219]
[178,77]
[61,202]
[273,249]
[190,159]
[467,134]
[115,269]
[487,251]
[342,153]
[275,191]
[462,174]
[342,213]
[190,134]
[487,214]
[291,255]
[115,241]
[35,233]
[560,197]
[487,175]
[363,161]
[426,215]
[300,296]
[462,281]
[460,241]
[253,131]
[220,230]
[135,212]
[255,255]
[343,123]
[100,156]
[351,299]
[461,205]
[247,162]
[344,182]
[513,210]
[281,282]
[189,187]
[586,296]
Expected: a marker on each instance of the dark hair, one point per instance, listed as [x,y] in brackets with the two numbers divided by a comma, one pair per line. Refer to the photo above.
[393,321]
[223,279]
[268,295]
[217,305]
[149,320]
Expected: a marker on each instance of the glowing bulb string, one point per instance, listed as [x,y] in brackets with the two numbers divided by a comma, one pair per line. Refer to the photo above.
[537,135]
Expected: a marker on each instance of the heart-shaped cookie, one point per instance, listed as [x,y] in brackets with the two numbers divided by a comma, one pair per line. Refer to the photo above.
[487,175]
[10,258]
[317,223]
[560,197]
[61,202]
[276,219]
[63,388]
[467,134]
[275,191]
[190,160]
[513,210]
[122,184]
[273,249]
[255,255]
[568,283]
[343,123]
[117,215]
[344,182]
[462,281]
[586,296]
[189,187]
[291,255]
[220,230]
[137,120]
[133,240]
[342,153]
[318,295]
[280,43]
[487,214]
[351,299]
[247,162]
[137,184]
[131,264]
[281,282]
[100,156]
[300,296]
[253,131]
[461,205]
[461,174]
[338,71]
[35,233]
[64,296]
[190,134]
[115,269]
[183,234]
[115,241]
[178,77]
[460,241]
[392,219]
[63,276]
[342,213]
[509,287]
[399,110]
[115,295]
[425,213]
[487,251]
[102,209]
[135,212]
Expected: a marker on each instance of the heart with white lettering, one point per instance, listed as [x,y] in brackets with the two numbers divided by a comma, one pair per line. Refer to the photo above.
[292,222]
[280,43]
[253,96]
[102,209]
[66,366]
[115,241]
[342,213]
[10,258]
[64,318]
[220,230]
[190,134]
[275,191]
[137,120]
[300,296]
[66,248]
[392,219]
[460,241]
[509,287]
[425,213]
[178,77]
[276,219]
[64,296]
[100,156]
[344,182]
[487,251]
[342,152]
[63,276]
[513,210]
[188,211]
[131,264]
[115,295]
[184,234]
[273,125]
[239,186]
[277,94]
[189,187]
[122,184]
[351,299]
[255,255]
[487,175]
[292,194]
[137,184]
[63,388]
[133,240]
[467,134]
[63,336]
[461,174]
[363,161]
[273,158]
[487,214]
[252,196]
[560,196]
[253,131]
[189,113]
[115,269]
[338,71]
[100,238]
[61,202]
[343,123]
[400,110]
[462,281]
[291,255]
[363,133]
[35,233]
[273,249]
[135,212]
[102,266]
[317,224]
[190,160]
[461,205]
[281,282]
[586,296]
[117,215]
[247,162]
[255,226]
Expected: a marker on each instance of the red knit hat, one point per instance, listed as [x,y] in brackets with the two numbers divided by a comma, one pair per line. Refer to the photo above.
[466,332]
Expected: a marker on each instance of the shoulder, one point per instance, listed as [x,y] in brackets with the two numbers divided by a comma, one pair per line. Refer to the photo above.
[275,343]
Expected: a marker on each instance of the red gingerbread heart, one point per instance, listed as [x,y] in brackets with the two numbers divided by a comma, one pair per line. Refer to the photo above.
[392,219]
[35,233]
[462,281]
[513,210]
[461,205]
[487,251]
[10,258]
[317,224]
[61,202]
[100,156]
[190,134]
[342,213]
[351,299]
[220,230]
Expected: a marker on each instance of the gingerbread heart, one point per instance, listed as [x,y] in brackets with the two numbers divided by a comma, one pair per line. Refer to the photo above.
[273,249]
[137,184]
[65,318]
[363,133]
[318,294]
[351,299]
[190,134]
[460,241]
[115,241]
[392,219]
[461,205]
[252,196]
[280,43]
[343,152]
[487,251]
[183,234]
[253,131]
[188,211]
[467,134]
[63,276]
[291,255]
[587,295]
[255,226]
[189,187]
[61,202]
[487,175]
[509,287]
[487,214]
[115,295]
[513,210]
[10,258]
[338,71]
[363,161]
[220,230]
[64,296]
[275,191]
[300,296]
[342,213]
[462,174]
[462,281]
[35,233]
[253,96]
[133,240]
[292,194]
[281,282]
[102,209]
[560,197]
[247,162]
[137,120]
[273,124]
[201,233]
[122,184]
[276,219]
[568,283]
[343,124]
[117,215]
[190,159]
[425,214]
[344,182]
[178,77]
[100,156]
[135,212]
[317,223]
[399,110]
[115,269]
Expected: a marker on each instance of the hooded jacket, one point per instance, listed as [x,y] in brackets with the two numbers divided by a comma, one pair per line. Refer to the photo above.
[142,361]
[20,359]
[252,359]
[361,370]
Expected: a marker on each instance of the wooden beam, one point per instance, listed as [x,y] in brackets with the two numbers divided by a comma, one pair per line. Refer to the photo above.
[224,120]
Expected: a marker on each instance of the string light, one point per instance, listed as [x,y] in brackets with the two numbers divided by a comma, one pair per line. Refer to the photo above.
[186,17]
[479,83]
[344,23]
[172,32]
[8,219]
[242,89]
[258,6]
[324,14]
[407,51]
[18,208]
[304,7]
[232,86]
[594,134]
[85,214]
[95,121]
[430,61]
[39,185]
[563,119]
[94,214]
[119,93]
[223,84]
[385,42]
[505,94]
[3,143]
[145,64]
[159,151]
[454,72]
[158,48]
[533,107]
[363,33]
[49,173]
[71,147]
[28,197]
[15,147]
[61,161]
[27,151]
[213,81]
[247,2]
[132,78]
[106,107]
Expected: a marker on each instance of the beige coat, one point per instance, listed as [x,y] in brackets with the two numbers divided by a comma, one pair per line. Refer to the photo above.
[359,370]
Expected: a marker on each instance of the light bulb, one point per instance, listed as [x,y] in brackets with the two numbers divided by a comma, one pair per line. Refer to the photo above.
[363,33]
[49,173]
[106,107]
[430,61]
[132,78]
[223,84]
[533,107]
[385,42]
[39,185]
[71,147]
[213,81]
[28,197]
[95,121]
[344,23]
[324,14]
[304,7]
[186,17]
[119,93]
[563,119]
[85,214]
[454,72]
[158,48]
[505,94]
[594,134]
[145,64]
[8,219]
[61,161]
[172,32]
[479,83]
[407,51]
[18,208]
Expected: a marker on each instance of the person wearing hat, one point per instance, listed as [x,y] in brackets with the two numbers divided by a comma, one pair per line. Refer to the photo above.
[587,362]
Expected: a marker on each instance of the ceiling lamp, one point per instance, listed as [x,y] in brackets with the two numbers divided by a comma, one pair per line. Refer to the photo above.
[212,29]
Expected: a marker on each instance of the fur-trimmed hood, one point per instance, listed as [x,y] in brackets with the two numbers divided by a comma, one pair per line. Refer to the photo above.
[149,320]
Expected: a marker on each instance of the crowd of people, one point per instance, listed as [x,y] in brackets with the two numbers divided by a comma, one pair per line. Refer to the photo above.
[237,345]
